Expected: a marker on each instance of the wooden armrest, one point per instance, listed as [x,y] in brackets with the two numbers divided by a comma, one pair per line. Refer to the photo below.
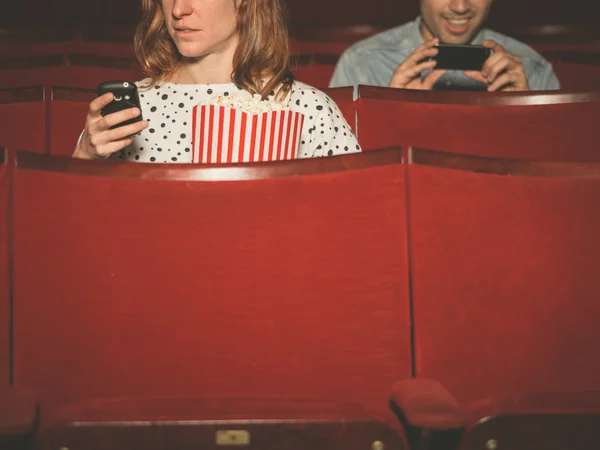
[431,417]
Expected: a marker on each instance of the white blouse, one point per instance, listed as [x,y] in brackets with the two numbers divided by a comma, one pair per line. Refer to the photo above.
[168,109]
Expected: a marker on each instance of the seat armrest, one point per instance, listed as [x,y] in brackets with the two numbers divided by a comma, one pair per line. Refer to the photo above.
[430,415]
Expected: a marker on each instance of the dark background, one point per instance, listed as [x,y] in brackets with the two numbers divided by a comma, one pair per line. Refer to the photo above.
[506,14]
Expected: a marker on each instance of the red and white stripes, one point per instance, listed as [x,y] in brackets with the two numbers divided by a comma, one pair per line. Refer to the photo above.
[225,135]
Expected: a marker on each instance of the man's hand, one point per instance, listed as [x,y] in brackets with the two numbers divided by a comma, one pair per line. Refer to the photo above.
[502,71]
[408,74]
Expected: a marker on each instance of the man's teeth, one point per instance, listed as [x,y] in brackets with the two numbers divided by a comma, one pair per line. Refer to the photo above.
[458,22]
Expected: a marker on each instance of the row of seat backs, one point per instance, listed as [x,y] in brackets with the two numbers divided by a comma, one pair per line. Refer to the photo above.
[327,278]
[87,70]
[51,119]
[522,125]
[544,126]
[83,64]
[328,40]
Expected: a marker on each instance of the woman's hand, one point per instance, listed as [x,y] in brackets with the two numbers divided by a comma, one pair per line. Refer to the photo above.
[98,141]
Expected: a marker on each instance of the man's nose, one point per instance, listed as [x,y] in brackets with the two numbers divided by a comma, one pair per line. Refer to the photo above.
[460,6]
[182,8]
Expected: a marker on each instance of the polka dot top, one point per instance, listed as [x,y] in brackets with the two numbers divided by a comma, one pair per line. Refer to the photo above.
[168,109]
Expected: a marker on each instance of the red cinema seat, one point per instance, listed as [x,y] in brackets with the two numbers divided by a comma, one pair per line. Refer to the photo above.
[344,98]
[314,69]
[267,280]
[22,42]
[23,119]
[540,126]
[106,41]
[312,47]
[347,34]
[578,70]
[23,71]
[88,71]
[504,281]
[68,112]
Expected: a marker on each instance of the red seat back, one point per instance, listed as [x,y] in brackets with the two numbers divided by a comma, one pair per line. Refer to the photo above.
[68,111]
[88,71]
[574,76]
[23,119]
[504,280]
[543,126]
[45,70]
[344,98]
[268,280]
[578,71]
[315,70]
[313,47]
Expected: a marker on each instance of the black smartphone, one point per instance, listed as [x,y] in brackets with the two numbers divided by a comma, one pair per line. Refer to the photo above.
[461,57]
[126,96]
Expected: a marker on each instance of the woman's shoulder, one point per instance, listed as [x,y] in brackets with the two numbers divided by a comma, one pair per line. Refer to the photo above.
[300,88]
[306,96]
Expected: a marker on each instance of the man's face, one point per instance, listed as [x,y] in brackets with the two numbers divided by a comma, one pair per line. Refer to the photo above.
[453,21]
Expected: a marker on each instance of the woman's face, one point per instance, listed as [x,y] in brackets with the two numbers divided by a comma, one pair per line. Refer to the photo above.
[201,27]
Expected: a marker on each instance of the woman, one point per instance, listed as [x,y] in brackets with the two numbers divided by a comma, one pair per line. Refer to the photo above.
[194,50]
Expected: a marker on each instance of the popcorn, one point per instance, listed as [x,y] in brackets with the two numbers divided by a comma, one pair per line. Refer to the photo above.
[244,128]
[247,102]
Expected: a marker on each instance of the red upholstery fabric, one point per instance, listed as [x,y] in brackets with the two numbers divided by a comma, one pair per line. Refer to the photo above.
[35,49]
[344,98]
[566,131]
[55,75]
[314,74]
[89,77]
[18,413]
[573,76]
[121,49]
[505,285]
[293,287]
[4,274]
[85,77]
[68,111]
[23,123]
[304,47]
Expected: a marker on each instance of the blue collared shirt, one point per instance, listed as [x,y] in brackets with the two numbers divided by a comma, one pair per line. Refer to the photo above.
[373,61]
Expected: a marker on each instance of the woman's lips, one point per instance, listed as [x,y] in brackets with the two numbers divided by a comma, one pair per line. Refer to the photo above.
[185,31]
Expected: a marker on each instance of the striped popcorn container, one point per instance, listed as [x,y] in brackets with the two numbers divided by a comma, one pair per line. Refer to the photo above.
[222,134]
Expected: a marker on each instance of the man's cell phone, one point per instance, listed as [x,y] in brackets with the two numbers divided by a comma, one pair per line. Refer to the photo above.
[126,96]
[461,57]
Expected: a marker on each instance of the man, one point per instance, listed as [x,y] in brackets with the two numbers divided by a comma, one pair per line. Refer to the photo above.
[398,57]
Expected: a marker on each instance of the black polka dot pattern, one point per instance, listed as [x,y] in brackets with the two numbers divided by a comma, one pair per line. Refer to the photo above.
[324,133]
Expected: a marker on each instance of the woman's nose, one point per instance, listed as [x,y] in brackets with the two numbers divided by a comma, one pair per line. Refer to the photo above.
[182,8]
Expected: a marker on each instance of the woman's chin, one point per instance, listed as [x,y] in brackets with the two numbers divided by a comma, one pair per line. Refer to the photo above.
[191,51]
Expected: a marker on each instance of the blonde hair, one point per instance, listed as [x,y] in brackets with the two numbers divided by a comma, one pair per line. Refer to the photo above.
[260,62]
